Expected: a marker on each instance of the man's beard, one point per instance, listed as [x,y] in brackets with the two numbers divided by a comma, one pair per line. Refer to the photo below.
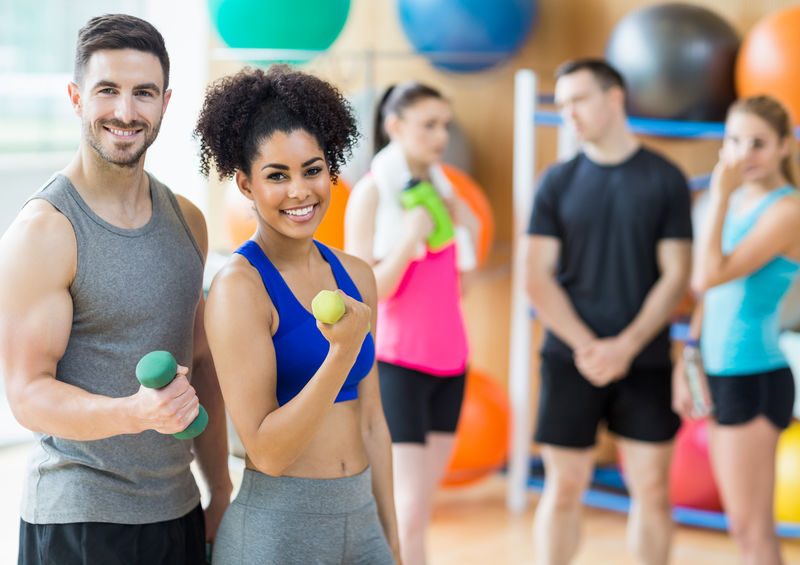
[127,159]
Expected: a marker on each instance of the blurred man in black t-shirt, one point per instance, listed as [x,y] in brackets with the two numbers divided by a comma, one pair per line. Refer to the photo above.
[608,258]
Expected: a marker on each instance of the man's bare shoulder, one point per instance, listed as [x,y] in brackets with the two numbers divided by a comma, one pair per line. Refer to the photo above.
[40,236]
[40,221]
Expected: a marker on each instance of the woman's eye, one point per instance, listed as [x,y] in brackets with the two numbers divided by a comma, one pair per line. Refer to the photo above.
[276,176]
[313,171]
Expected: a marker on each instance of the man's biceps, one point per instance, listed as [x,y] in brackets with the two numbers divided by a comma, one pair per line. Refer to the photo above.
[543,251]
[674,248]
[675,257]
[30,351]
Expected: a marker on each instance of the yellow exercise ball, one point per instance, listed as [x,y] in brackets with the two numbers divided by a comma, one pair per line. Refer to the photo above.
[787,476]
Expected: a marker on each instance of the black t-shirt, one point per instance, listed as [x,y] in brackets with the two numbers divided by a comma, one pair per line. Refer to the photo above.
[609,220]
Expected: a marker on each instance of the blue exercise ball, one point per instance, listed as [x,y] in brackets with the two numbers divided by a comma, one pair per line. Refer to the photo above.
[279,24]
[678,62]
[467,35]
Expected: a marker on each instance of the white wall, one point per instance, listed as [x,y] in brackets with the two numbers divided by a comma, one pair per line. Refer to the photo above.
[173,157]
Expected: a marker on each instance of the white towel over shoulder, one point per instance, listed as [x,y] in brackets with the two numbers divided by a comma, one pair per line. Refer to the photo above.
[391,173]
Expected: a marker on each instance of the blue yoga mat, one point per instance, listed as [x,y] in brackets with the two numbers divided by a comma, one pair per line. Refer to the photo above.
[608,493]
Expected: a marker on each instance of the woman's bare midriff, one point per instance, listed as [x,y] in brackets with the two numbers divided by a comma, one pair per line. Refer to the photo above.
[336,451]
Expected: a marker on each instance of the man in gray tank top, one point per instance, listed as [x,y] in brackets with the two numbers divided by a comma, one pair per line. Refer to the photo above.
[101,266]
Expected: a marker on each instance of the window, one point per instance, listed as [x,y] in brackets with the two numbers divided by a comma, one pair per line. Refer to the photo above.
[37,46]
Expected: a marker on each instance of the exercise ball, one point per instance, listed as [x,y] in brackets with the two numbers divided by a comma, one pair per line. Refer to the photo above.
[278,24]
[692,482]
[481,445]
[474,196]
[240,218]
[769,60]
[467,35]
[677,60]
[331,230]
[787,476]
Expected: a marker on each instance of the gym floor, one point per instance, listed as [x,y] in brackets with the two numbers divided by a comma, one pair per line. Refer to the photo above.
[470,527]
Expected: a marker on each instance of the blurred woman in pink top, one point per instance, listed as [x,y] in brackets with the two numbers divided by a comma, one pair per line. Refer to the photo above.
[421,342]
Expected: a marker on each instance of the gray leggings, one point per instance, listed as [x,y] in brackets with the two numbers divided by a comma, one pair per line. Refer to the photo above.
[288,520]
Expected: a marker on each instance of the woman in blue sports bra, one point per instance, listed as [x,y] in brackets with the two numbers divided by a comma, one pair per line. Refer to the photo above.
[303,395]
[747,260]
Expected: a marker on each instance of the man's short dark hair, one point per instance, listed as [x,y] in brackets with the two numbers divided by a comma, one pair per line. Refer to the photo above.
[606,75]
[119,31]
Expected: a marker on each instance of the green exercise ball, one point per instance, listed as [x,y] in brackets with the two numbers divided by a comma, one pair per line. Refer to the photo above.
[279,24]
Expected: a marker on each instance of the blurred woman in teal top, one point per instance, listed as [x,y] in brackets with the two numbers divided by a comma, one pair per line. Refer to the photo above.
[748,258]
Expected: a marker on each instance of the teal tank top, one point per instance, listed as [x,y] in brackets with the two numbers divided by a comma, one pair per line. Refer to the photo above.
[741,317]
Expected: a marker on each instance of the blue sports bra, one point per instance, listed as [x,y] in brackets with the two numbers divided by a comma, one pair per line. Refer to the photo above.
[300,348]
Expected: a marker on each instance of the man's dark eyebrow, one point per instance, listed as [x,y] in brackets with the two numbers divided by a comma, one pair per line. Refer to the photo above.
[148,86]
[145,86]
[105,83]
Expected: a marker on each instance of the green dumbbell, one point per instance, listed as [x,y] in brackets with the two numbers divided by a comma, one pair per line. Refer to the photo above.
[423,193]
[156,370]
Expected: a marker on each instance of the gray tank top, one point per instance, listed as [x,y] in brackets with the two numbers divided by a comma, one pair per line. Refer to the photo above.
[135,290]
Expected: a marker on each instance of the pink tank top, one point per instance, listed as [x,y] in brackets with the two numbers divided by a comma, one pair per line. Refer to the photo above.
[421,326]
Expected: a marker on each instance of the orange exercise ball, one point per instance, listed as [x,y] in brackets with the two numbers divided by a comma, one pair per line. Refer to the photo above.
[769,59]
[240,218]
[469,191]
[331,230]
[481,445]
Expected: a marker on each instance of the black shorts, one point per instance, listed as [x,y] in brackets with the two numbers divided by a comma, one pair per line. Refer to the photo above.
[637,407]
[173,542]
[416,403]
[738,399]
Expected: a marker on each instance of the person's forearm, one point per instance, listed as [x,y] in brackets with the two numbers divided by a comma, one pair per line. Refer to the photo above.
[389,271]
[656,311]
[378,444]
[51,407]
[211,446]
[556,312]
[710,256]
[284,434]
